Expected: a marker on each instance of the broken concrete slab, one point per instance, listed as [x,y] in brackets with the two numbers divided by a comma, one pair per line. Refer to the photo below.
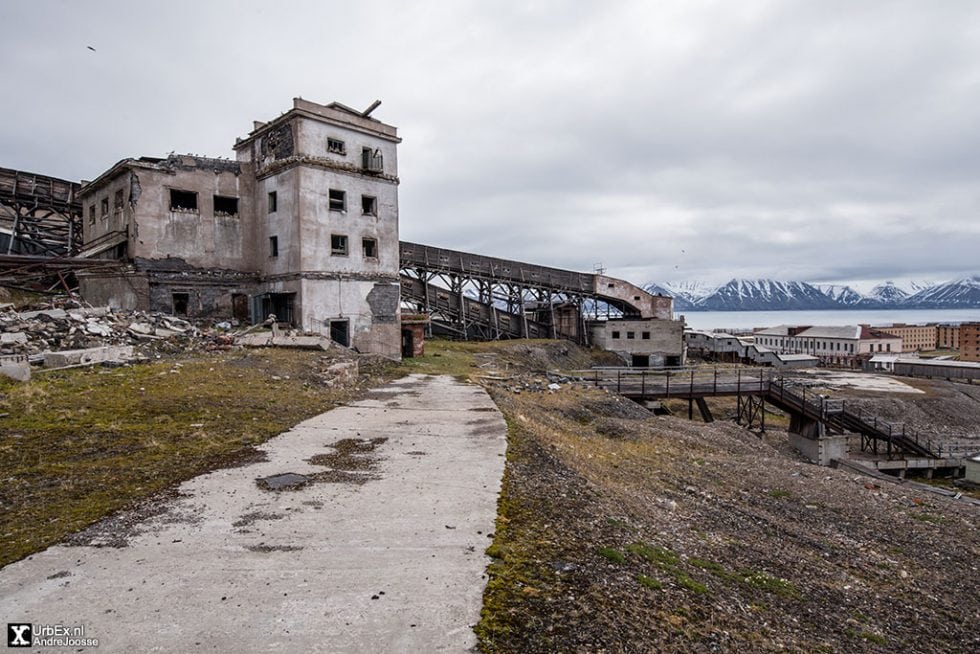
[16,367]
[267,339]
[16,338]
[88,356]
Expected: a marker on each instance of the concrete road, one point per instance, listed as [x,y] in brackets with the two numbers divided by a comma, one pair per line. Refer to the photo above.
[381,550]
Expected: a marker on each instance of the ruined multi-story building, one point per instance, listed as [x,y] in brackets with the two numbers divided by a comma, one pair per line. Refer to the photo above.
[303,224]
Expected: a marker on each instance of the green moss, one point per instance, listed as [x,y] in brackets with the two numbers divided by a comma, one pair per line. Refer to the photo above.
[713,567]
[688,583]
[612,554]
[654,554]
[768,583]
[779,493]
[649,582]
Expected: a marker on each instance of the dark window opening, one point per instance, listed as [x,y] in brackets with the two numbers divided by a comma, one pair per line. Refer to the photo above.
[105,207]
[371,160]
[636,297]
[117,201]
[615,335]
[279,305]
[91,214]
[338,244]
[336,146]
[273,246]
[273,201]
[641,360]
[369,205]
[610,285]
[340,332]
[370,247]
[630,335]
[338,200]
[180,303]
[225,206]
[646,336]
[183,200]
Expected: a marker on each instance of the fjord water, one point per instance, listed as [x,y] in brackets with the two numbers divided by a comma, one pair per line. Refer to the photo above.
[747,320]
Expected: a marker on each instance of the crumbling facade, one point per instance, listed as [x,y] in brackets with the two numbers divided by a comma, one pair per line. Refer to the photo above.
[302,225]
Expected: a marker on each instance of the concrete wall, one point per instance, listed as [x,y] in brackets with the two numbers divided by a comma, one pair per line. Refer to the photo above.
[126,291]
[663,338]
[821,450]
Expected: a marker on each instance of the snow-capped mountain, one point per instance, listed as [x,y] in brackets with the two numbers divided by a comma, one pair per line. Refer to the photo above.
[765,295]
[883,296]
[961,293]
[772,295]
[842,294]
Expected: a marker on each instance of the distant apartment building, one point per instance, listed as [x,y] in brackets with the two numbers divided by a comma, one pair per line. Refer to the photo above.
[839,346]
[302,225]
[948,336]
[915,338]
[970,341]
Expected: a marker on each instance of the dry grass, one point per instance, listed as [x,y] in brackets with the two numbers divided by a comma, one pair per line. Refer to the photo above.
[80,444]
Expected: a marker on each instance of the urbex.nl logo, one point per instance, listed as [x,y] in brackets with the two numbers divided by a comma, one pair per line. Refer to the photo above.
[19,635]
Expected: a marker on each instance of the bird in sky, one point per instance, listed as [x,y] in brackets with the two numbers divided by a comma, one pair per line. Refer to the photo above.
[90,48]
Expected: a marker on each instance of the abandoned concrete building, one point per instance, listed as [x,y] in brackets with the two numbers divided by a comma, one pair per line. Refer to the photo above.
[303,224]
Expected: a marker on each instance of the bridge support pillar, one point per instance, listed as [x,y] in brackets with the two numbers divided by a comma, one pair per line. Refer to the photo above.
[806,427]
[821,450]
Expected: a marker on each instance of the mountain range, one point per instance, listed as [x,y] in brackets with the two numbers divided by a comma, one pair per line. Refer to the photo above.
[774,295]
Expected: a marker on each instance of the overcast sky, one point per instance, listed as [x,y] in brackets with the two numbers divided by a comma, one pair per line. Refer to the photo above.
[819,141]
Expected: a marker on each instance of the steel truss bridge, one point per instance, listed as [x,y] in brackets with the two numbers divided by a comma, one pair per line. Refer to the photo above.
[39,215]
[488,298]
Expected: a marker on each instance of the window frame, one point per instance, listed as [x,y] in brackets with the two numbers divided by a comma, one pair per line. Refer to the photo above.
[339,251]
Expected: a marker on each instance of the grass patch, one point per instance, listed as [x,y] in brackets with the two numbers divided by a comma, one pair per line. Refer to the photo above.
[779,493]
[688,583]
[922,516]
[654,554]
[612,554]
[81,444]
[868,636]
[713,567]
[768,583]
[649,582]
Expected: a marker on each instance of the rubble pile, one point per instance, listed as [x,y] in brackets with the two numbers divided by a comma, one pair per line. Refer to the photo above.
[74,327]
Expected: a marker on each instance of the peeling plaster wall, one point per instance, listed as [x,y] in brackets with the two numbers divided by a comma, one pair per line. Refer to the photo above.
[199,237]
[370,306]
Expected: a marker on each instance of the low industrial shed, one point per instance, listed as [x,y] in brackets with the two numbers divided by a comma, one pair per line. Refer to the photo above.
[943,369]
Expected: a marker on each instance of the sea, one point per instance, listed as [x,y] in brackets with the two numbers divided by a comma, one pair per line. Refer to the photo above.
[741,321]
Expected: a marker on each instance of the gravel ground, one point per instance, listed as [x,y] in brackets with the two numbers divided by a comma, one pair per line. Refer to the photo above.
[622,532]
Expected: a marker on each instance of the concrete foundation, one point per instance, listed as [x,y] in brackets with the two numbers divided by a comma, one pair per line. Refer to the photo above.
[16,367]
[89,356]
[821,450]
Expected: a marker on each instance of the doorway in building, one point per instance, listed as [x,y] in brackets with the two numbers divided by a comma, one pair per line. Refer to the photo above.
[641,360]
[340,332]
[239,307]
[180,303]
[408,343]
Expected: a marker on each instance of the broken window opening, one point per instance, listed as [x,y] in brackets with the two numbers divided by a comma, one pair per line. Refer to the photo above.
[273,246]
[615,335]
[646,336]
[225,206]
[180,303]
[183,200]
[630,336]
[338,244]
[336,146]
[370,247]
[371,160]
[105,207]
[340,332]
[338,200]
[369,205]
[117,201]
[91,214]
[273,201]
